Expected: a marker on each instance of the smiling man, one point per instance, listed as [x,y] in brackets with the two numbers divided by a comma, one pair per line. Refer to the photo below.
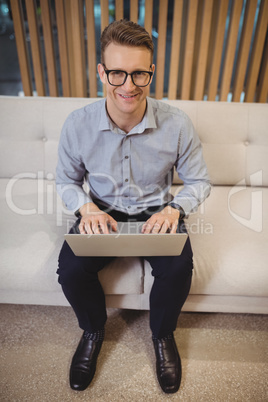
[127,102]
[126,147]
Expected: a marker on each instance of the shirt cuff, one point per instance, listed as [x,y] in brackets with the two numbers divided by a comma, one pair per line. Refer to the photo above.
[179,208]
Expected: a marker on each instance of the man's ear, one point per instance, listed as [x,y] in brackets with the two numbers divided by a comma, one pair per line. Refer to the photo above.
[153,70]
[102,73]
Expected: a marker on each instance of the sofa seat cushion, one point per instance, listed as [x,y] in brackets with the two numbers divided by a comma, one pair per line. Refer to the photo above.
[229,237]
[33,223]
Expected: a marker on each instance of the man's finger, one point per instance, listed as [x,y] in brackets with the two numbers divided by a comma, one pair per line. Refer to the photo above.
[107,224]
[96,228]
[156,228]
[85,228]
[113,224]
[174,227]
[147,227]
[165,227]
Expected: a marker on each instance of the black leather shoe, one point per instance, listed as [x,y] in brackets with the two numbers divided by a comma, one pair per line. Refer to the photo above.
[168,364]
[84,363]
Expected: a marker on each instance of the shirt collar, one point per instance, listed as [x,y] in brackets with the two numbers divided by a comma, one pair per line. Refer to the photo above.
[105,122]
[147,122]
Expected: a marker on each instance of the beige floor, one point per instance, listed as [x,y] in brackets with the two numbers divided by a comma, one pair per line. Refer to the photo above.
[224,357]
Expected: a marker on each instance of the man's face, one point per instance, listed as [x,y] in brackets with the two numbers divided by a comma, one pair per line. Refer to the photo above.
[128,98]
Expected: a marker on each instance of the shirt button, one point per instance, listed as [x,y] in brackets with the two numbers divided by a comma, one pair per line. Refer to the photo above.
[126,157]
[126,180]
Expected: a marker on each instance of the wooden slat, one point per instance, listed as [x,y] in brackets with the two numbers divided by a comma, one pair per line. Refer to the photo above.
[200,75]
[148,18]
[104,13]
[257,52]
[244,48]
[91,48]
[189,49]
[119,9]
[217,51]
[35,47]
[175,49]
[69,37]
[161,48]
[78,48]
[104,23]
[262,91]
[49,47]
[63,49]
[230,52]
[22,50]
[134,10]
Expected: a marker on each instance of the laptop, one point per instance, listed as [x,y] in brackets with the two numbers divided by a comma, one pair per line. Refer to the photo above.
[128,241]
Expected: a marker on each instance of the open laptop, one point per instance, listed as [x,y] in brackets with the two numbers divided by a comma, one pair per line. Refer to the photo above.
[127,241]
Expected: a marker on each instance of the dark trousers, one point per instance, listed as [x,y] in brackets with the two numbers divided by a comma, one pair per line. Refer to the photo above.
[78,277]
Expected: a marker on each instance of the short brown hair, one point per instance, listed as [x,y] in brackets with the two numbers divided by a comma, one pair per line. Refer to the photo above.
[128,33]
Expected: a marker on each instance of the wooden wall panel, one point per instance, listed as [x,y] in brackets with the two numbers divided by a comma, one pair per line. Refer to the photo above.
[35,47]
[200,73]
[230,51]
[22,49]
[262,90]
[203,58]
[91,48]
[134,10]
[49,47]
[189,49]
[69,32]
[119,9]
[175,49]
[104,23]
[244,49]
[78,48]
[63,47]
[161,48]
[148,18]
[217,51]
[256,55]
[104,13]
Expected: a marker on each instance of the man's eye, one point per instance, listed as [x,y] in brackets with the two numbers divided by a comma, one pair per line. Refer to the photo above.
[117,73]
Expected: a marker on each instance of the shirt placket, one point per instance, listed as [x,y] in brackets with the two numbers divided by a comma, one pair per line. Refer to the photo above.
[127,173]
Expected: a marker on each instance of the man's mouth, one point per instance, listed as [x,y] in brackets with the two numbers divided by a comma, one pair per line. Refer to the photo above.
[127,96]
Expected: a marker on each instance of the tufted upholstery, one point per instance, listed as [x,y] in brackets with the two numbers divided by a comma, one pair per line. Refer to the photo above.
[229,233]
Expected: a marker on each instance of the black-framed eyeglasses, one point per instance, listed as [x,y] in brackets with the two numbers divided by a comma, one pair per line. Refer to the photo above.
[119,77]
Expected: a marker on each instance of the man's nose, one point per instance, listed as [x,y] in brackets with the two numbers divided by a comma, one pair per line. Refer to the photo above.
[128,85]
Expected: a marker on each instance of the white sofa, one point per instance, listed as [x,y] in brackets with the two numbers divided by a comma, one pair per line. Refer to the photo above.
[229,233]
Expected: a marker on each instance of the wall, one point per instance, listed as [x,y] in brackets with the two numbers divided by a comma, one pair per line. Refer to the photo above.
[205,49]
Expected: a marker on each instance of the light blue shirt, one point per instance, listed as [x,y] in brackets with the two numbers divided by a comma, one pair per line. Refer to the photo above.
[130,172]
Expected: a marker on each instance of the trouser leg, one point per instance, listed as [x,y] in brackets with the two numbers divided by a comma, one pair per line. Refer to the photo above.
[172,282]
[78,277]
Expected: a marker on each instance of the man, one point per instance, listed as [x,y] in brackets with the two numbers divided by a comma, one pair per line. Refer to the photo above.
[125,147]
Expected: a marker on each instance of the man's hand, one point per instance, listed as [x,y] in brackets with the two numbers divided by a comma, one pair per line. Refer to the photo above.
[161,222]
[95,221]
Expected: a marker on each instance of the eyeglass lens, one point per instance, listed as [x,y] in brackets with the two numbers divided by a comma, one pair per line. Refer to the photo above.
[139,78]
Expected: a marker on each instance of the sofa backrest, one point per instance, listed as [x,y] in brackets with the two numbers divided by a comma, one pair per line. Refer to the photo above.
[234,137]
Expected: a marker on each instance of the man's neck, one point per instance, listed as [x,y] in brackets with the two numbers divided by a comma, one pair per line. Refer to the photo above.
[125,121]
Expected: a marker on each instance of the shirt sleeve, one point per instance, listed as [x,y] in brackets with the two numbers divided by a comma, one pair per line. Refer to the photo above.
[191,169]
[70,171]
